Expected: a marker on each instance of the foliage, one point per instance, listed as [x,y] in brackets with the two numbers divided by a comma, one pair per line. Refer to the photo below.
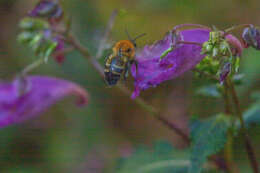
[210,91]
[208,137]
[162,158]
[37,36]
[252,115]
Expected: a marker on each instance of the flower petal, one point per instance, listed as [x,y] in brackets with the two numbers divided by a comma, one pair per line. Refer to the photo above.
[151,71]
[25,98]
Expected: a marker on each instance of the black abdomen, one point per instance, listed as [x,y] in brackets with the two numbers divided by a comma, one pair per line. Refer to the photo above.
[113,71]
[111,78]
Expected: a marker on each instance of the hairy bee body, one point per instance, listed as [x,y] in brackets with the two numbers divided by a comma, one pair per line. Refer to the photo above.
[115,67]
[119,62]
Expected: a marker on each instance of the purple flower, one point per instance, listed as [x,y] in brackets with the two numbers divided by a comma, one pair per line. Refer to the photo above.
[28,97]
[47,9]
[151,71]
[251,37]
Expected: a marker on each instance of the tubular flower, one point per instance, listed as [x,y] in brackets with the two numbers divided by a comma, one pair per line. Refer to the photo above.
[25,98]
[185,55]
[152,71]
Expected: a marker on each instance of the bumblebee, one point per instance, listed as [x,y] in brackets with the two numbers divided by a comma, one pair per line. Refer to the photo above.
[120,61]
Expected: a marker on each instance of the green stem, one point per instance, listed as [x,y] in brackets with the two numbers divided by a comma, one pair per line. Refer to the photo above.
[228,152]
[231,29]
[32,66]
[249,147]
[190,25]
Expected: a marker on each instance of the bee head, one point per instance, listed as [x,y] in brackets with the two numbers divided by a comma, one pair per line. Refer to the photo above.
[124,48]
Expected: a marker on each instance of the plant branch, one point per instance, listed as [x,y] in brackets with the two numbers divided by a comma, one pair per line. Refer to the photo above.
[32,66]
[228,152]
[190,25]
[63,51]
[231,29]
[248,143]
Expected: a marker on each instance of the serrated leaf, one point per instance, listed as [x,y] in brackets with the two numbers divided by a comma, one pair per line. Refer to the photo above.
[208,137]
[163,158]
[252,115]
[209,91]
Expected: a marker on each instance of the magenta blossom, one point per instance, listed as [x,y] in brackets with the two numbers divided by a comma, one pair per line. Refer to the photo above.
[151,71]
[28,97]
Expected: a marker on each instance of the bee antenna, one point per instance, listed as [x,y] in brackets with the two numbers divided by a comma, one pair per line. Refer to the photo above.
[128,35]
[141,35]
[133,40]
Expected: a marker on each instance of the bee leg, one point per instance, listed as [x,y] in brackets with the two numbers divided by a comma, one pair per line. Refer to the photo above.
[126,71]
[125,75]
[136,65]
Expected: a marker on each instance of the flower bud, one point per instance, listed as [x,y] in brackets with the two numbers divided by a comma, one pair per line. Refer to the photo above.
[32,24]
[251,36]
[47,9]
[224,72]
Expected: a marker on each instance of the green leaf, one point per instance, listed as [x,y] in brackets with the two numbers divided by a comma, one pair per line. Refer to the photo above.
[45,47]
[252,115]
[163,158]
[26,37]
[238,79]
[255,95]
[40,44]
[33,24]
[208,137]
[209,91]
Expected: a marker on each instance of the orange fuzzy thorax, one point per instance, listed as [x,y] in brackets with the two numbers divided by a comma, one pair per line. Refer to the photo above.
[126,47]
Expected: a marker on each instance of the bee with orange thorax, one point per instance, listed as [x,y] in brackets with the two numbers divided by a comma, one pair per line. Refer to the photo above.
[120,61]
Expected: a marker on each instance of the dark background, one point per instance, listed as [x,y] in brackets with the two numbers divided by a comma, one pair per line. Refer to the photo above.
[89,139]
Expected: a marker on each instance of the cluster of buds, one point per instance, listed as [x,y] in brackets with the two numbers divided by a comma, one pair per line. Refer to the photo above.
[222,55]
[216,46]
[37,36]
[38,30]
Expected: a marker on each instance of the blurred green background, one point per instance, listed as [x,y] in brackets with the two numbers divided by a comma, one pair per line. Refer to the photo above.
[90,139]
